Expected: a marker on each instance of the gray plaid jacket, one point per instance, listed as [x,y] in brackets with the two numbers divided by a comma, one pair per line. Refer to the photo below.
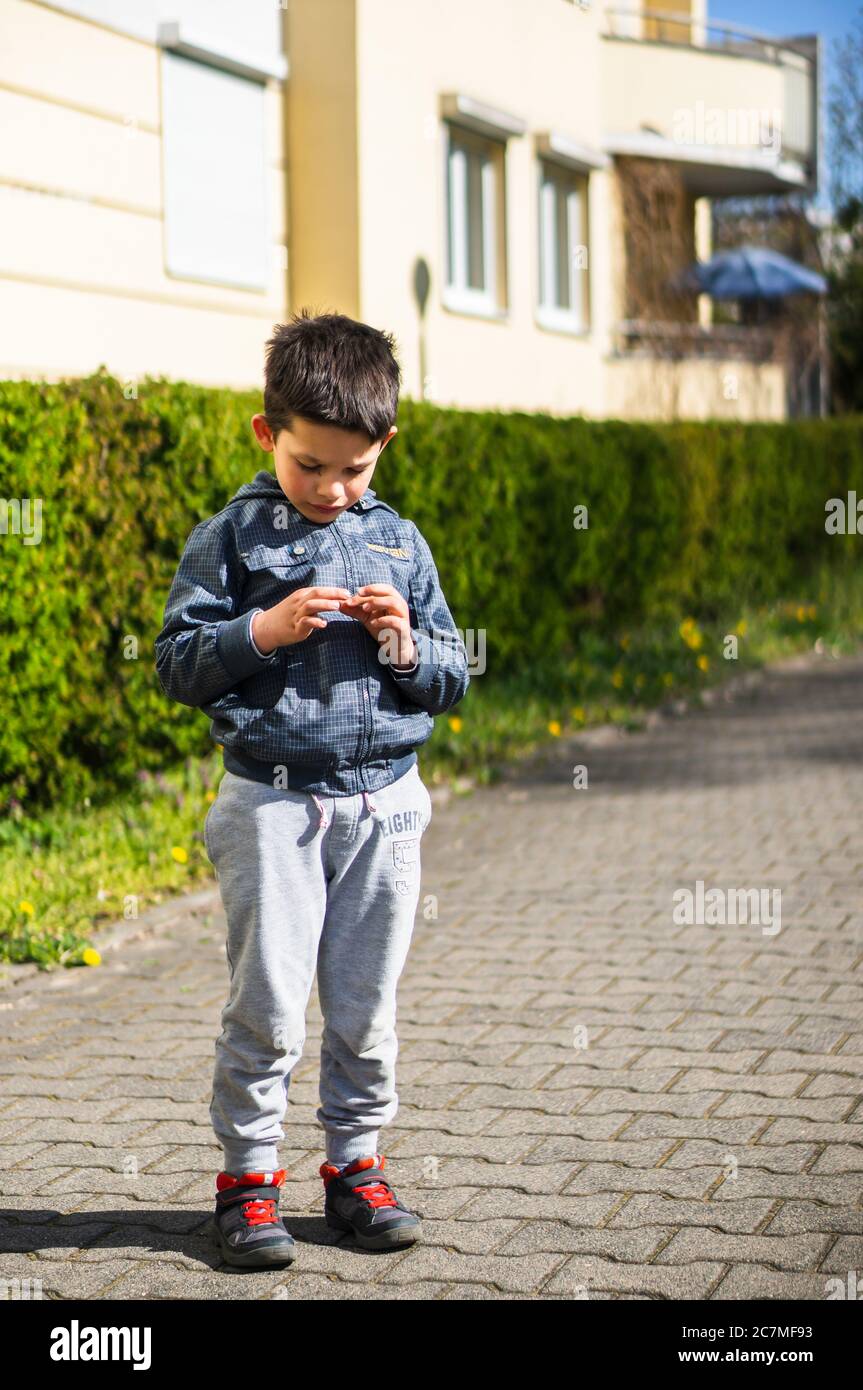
[328,714]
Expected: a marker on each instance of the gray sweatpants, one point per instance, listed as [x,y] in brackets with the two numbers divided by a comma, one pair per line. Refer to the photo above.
[326,882]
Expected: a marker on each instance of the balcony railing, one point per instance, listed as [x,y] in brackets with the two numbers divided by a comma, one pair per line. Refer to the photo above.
[674,341]
[665,26]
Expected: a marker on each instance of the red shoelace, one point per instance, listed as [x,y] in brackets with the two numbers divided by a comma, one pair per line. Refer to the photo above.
[258,1211]
[377,1194]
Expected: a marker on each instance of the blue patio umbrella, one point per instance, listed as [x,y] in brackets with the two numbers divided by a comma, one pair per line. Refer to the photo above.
[754,272]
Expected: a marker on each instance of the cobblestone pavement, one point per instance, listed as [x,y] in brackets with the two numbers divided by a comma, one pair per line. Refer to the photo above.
[597,1101]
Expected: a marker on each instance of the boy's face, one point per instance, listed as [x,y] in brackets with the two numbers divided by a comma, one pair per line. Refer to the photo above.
[322,469]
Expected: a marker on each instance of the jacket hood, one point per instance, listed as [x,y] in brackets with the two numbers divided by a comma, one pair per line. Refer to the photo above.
[264,484]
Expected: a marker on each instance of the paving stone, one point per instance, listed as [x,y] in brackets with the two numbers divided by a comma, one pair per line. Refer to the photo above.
[88,1210]
[797,1217]
[535,1124]
[646,1153]
[762,1084]
[839,1158]
[838,1190]
[67,1278]
[744,1281]
[427,1143]
[537,1237]
[469,1237]
[593,1274]
[140,1186]
[845,1256]
[331,1288]
[586,1212]
[656,1209]
[771,1158]
[514,1274]
[725,1131]
[777,1252]
[802,1108]
[120,1157]
[146,1280]
[472,1293]
[612,1177]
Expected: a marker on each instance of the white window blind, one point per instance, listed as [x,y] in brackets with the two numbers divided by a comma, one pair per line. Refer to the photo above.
[215,175]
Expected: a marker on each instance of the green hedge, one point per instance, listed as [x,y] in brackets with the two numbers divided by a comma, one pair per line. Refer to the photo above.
[683,518]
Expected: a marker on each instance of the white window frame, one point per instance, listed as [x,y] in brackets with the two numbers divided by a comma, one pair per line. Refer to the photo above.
[459,145]
[553,182]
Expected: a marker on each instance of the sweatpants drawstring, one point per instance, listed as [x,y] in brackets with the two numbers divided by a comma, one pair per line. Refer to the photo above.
[323,819]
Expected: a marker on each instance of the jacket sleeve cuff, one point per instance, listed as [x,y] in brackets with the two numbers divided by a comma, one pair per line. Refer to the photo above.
[236,647]
[419,677]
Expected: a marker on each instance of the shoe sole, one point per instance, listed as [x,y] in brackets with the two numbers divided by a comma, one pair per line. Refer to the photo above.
[268,1258]
[387,1240]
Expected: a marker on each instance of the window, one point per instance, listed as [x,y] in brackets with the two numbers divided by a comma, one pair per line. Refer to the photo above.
[215,176]
[563,258]
[474,209]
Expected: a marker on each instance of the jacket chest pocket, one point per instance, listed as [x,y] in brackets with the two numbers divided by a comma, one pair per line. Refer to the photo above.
[273,572]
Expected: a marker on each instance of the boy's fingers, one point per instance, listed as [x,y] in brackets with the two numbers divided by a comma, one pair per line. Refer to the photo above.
[314,605]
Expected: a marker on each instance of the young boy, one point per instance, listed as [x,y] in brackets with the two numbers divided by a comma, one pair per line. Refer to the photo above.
[307,619]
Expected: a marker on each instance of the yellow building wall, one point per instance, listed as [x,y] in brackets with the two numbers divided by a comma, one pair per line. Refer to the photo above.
[82,270]
[321,119]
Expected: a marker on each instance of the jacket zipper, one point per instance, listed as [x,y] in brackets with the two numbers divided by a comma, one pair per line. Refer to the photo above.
[366,699]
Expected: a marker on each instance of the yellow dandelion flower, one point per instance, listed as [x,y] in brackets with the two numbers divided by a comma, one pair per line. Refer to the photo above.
[812,611]
[801,614]
[694,639]
[686,626]
[180,854]
[741,628]
[455,723]
[26,906]
[617,679]
[210,795]
[91,957]
[703,663]
[554,727]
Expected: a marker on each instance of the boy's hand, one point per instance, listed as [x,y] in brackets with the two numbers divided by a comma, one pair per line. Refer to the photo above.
[382,611]
[293,618]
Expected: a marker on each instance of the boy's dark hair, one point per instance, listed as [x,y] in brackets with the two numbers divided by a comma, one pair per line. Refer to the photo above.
[333,370]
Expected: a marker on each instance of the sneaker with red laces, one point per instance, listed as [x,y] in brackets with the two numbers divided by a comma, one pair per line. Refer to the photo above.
[246,1222]
[360,1200]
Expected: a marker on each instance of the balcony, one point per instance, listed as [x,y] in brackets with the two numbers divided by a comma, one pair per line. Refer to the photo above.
[675,342]
[737,110]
